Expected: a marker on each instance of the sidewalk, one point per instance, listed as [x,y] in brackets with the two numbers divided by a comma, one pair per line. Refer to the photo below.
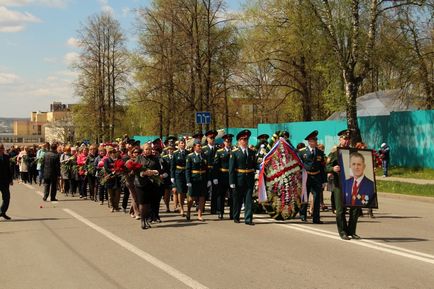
[406,180]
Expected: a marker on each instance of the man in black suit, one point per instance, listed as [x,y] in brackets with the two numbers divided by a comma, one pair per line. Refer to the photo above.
[51,172]
[359,190]
[6,173]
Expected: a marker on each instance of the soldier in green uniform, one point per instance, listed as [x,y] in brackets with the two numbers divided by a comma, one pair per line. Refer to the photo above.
[196,173]
[242,167]
[314,162]
[177,174]
[345,229]
[262,147]
[221,175]
[209,151]
[167,157]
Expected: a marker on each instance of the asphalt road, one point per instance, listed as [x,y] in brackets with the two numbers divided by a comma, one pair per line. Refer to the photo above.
[79,244]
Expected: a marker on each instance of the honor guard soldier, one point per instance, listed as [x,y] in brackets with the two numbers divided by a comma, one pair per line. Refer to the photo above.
[196,173]
[221,175]
[177,174]
[242,167]
[167,157]
[345,229]
[209,151]
[262,147]
[314,161]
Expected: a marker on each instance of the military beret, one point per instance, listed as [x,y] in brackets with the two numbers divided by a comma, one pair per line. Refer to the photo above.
[244,133]
[228,136]
[343,133]
[198,135]
[284,133]
[196,142]
[312,135]
[211,132]
[264,135]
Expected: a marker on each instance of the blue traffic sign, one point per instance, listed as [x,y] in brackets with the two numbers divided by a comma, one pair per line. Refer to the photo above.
[203,117]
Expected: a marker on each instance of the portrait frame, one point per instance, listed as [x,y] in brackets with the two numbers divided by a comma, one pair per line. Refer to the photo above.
[354,164]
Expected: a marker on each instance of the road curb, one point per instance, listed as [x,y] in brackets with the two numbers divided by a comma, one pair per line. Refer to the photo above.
[406,197]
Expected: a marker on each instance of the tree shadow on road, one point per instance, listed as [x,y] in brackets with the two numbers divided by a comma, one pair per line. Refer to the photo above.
[178,224]
[397,239]
[34,219]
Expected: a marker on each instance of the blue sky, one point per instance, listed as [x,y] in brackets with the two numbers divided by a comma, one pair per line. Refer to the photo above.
[37,47]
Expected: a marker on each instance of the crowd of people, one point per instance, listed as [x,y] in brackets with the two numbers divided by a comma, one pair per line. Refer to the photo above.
[189,176]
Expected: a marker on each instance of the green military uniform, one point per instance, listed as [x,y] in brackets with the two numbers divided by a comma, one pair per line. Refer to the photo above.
[221,173]
[177,171]
[196,174]
[344,229]
[242,167]
[209,154]
[314,161]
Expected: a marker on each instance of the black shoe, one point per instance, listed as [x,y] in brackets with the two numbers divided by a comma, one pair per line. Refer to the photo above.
[187,216]
[143,224]
[356,237]
[44,199]
[318,222]
[6,217]
[54,200]
[345,237]
[303,218]
[250,223]
[148,223]
[237,221]
[221,217]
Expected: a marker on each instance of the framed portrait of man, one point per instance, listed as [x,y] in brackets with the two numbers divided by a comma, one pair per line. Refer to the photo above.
[357,178]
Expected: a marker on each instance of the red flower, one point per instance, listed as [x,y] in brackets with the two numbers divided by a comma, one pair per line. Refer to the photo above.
[118,166]
[133,166]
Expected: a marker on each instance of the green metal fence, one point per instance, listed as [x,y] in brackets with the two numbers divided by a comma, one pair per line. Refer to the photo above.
[410,135]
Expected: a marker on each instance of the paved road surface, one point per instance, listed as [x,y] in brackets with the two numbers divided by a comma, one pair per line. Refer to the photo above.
[80,244]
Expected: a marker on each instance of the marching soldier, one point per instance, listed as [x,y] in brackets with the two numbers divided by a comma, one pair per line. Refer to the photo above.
[221,175]
[314,161]
[196,173]
[167,158]
[242,167]
[345,229]
[209,151]
[177,174]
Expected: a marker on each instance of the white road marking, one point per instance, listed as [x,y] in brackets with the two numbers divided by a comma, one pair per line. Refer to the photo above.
[190,282]
[33,189]
[415,255]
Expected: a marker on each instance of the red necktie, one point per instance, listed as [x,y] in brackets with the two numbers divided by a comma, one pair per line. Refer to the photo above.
[354,193]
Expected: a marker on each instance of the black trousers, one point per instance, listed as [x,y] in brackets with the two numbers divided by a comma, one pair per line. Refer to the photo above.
[155,203]
[314,185]
[50,188]
[223,189]
[83,186]
[125,198]
[214,198]
[6,196]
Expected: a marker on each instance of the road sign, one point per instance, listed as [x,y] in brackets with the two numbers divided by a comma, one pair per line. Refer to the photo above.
[203,117]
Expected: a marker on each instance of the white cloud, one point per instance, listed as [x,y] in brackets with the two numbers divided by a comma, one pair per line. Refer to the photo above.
[8,78]
[73,42]
[38,93]
[71,58]
[105,7]
[14,21]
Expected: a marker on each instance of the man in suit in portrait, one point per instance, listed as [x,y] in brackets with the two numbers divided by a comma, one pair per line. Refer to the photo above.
[359,190]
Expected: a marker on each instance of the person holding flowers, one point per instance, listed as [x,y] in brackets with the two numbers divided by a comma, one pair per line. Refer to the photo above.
[146,182]
[113,170]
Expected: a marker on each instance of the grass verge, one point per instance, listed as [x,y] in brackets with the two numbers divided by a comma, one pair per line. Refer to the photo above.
[405,188]
[415,173]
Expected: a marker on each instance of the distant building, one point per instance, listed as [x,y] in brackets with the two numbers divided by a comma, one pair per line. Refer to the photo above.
[45,126]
